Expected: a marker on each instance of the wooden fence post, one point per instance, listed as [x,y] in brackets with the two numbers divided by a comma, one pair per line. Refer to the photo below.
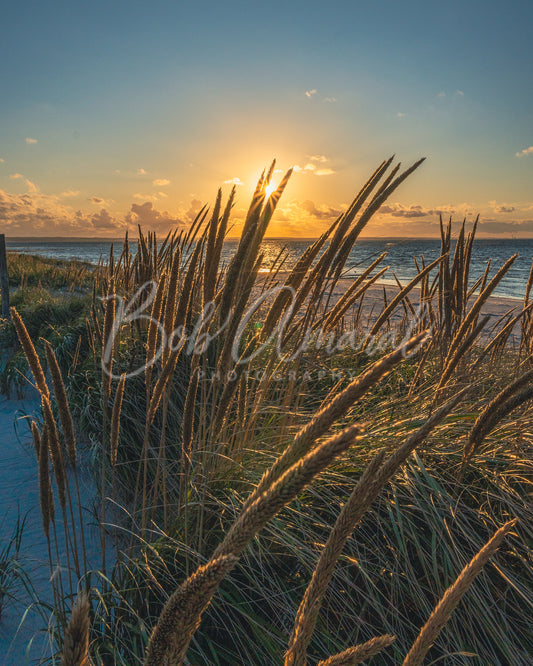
[4,278]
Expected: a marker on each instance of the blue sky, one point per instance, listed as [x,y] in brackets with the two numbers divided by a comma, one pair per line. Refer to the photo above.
[113,113]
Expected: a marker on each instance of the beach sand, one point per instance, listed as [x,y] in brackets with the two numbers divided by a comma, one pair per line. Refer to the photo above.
[22,639]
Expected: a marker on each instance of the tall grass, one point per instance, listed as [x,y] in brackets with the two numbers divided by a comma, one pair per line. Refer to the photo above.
[222,462]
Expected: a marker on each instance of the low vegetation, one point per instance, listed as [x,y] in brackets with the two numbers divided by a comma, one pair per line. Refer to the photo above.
[283,475]
[54,298]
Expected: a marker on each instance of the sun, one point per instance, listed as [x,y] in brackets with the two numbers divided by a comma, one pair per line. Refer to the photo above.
[269,189]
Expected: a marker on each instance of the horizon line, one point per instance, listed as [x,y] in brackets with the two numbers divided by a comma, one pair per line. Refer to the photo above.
[97,239]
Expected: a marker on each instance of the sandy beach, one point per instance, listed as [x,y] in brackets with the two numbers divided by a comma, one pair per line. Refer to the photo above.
[22,639]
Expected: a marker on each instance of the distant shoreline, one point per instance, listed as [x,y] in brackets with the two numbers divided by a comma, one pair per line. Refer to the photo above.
[120,239]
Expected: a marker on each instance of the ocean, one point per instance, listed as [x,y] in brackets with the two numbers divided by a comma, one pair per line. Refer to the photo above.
[400,253]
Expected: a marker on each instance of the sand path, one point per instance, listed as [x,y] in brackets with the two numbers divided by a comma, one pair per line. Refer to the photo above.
[23,638]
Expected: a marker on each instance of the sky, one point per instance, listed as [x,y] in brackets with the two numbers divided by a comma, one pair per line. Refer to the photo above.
[116,113]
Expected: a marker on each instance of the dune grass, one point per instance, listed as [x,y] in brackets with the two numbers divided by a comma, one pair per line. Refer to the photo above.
[54,298]
[233,474]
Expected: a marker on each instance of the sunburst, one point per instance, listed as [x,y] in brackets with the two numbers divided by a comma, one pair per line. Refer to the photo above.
[269,189]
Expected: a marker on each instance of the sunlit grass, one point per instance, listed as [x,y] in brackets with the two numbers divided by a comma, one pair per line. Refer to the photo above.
[198,468]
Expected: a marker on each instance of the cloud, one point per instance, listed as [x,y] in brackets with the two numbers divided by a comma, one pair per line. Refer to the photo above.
[311,168]
[400,115]
[145,197]
[319,212]
[495,227]
[504,209]
[525,152]
[32,187]
[98,201]
[411,212]
[29,140]
[141,172]
[69,193]
[331,100]
[193,210]
[34,213]
[441,94]
[147,216]
[310,93]
[318,158]
[459,93]
[2,160]
[161,182]
[233,181]
[163,194]
[306,210]
[103,220]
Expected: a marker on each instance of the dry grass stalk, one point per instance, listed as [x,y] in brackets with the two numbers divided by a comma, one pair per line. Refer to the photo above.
[349,516]
[153,330]
[55,450]
[169,315]
[188,413]
[30,352]
[400,455]
[162,381]
[376,475]
[384,192]
[340,308]
[65,417]
[182,612]
[323,421]
[452,361]
[187,290]
[115,419]
[67,426]
[336,254]
[384,316]
[225,359]
[506,401]
[76,642]
[45,490]
[294,280]
[107,366]
[474,311]
[453,596]
[262,223]
[265,505]
[211,261]
[344,241]
[36,438]
[188,433]
[223,226]
[192,235]
[499,341]
[58,464]
[360,653]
